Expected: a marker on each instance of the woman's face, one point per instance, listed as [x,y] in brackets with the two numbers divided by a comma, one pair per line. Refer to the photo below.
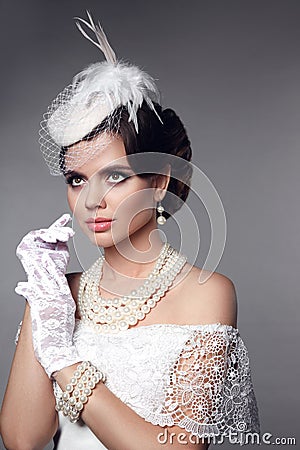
[105,187]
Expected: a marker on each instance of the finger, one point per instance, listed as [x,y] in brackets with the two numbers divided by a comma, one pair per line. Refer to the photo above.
[47,235]
[23,288]
[34,260]
[27,262]
[45,274]
[54,276]
[63,220]
[64,234]
[42,277]
[56,234]
[26,241]
[37,275]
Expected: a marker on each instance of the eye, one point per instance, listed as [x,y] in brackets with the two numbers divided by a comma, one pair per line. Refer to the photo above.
[74,181]
[117,177]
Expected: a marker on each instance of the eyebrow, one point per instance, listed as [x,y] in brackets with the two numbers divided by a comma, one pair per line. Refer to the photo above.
[106,170]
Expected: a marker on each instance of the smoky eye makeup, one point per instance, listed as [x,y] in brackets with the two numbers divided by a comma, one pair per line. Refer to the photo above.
[71,178]
[123,171]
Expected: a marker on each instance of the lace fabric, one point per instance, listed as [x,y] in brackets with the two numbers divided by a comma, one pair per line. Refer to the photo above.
[18,332]
[44,255]
[209,388]
[197,377]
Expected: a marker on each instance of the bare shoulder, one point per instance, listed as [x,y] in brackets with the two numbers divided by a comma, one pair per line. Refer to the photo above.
[209,297]
[73,281]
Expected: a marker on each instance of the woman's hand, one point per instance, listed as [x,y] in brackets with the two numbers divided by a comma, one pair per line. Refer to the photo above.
[44,255]
[46,250]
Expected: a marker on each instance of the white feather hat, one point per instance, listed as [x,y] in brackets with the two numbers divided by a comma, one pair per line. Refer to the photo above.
[95,94]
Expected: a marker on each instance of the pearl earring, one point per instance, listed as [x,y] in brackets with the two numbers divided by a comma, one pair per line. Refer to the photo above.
[161,220]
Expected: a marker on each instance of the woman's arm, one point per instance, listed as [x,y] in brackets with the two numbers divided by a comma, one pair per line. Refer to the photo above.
[118,427]
[28,418]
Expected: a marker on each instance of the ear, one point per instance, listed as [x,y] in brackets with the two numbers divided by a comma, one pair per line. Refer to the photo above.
[161,182]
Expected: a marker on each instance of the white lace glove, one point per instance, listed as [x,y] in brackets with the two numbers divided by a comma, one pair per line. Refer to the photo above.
[44,255]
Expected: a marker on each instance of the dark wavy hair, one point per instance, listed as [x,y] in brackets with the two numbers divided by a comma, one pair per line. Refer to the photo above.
[168,138]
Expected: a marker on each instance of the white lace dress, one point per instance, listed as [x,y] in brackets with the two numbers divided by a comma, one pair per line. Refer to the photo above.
[197,377]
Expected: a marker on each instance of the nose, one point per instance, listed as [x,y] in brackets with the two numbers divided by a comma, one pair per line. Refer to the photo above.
[95,197]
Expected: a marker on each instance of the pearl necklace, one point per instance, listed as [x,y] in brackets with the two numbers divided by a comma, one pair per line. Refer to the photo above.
[112,315]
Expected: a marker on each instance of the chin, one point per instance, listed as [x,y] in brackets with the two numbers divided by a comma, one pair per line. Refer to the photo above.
[105,239]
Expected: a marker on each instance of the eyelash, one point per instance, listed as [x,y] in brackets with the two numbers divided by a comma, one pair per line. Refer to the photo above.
[70,179]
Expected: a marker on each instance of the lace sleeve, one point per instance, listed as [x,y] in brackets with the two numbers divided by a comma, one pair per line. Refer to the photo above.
[209,390]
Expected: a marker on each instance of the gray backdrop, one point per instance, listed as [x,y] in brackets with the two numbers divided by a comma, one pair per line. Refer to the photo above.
[231,69]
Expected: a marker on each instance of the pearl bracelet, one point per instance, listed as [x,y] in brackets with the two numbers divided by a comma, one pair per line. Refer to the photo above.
[82,383]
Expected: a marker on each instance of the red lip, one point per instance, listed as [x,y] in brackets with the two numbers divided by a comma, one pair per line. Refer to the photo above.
[98,219]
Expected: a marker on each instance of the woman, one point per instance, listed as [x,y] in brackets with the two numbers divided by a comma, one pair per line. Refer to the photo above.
[134,352]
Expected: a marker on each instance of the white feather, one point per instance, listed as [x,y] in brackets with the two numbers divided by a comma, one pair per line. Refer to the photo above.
[102,43]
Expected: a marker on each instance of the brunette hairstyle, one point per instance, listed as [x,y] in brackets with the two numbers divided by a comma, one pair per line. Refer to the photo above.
[168,138]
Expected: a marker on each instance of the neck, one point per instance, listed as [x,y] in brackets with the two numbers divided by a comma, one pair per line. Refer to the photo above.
[132,258]
[129,263]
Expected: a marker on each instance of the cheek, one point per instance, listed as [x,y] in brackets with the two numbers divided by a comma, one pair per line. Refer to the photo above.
[75,202]
[71,200]
[135,203]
